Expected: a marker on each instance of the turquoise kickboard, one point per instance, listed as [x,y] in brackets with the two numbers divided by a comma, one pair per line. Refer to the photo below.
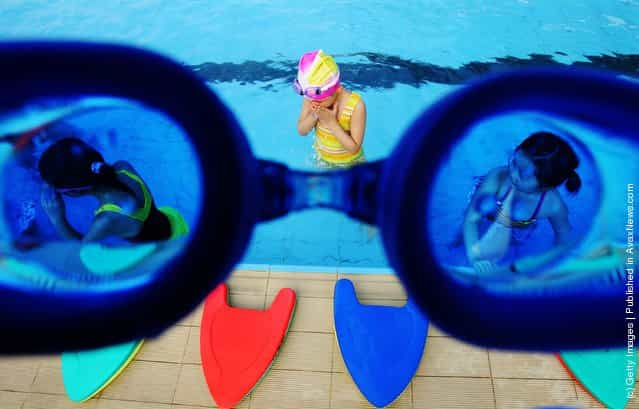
[381,345]
[603,373]
[103,260]
[85,373]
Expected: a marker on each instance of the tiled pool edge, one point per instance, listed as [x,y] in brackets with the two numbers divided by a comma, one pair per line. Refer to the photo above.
[314,269]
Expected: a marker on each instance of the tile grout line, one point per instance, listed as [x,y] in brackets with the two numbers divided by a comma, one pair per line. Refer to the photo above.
[178,381]
[412,393]
[516,378]
[492,380]
[574,384]
[330,379]
[333,343]
[489,377]
[188,339]
[268,283]
[99,397]
[144,401]
[160,362]
[37,372]
[184,348]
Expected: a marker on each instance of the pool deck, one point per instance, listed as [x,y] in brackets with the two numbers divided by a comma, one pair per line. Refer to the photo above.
[308,371]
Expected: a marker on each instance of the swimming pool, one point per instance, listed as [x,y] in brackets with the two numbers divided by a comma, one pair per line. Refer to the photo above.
[401,58]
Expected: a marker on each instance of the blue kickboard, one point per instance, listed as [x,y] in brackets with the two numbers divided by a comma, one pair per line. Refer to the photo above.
[381,345]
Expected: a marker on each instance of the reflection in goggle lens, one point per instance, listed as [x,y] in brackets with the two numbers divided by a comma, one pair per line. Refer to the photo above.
[519,202]
[95,192]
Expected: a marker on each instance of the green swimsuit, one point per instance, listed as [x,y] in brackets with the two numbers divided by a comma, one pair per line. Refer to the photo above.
[164,223]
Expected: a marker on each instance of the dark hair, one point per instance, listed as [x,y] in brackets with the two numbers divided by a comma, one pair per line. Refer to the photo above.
[555,161]
[72,163]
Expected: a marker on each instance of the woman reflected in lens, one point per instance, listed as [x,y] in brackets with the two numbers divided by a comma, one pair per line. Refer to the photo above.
[511,200]
[72,168]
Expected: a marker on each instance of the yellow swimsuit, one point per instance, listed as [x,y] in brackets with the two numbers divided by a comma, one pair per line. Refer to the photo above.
[328,147]
[176,221]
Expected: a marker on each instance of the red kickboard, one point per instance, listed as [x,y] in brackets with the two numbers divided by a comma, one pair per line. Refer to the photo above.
[238,345]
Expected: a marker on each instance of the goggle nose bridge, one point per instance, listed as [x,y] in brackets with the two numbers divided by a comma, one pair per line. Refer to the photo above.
[352,191]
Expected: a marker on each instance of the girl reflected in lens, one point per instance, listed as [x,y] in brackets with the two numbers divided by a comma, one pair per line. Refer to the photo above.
[511,200]
[72,168]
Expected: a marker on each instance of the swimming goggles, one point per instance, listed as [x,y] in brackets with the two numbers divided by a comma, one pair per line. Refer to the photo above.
[395,194]
[311,92]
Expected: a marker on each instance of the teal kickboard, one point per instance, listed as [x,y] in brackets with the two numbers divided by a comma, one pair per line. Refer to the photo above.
[604,373]
[86,373]
[103,260]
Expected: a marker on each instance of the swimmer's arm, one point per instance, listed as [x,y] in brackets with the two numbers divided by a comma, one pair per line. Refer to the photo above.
[108,224]
[471,236]
[53,206]
[352,141]
[65,229]
[489,186]
[307,120]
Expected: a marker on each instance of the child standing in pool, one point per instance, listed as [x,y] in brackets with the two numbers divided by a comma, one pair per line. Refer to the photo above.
[337,115]
[512,199]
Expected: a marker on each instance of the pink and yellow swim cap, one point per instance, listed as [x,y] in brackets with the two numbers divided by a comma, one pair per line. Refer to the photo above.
[317,75]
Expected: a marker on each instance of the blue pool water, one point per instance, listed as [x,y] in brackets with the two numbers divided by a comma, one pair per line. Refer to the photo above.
[400,58]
